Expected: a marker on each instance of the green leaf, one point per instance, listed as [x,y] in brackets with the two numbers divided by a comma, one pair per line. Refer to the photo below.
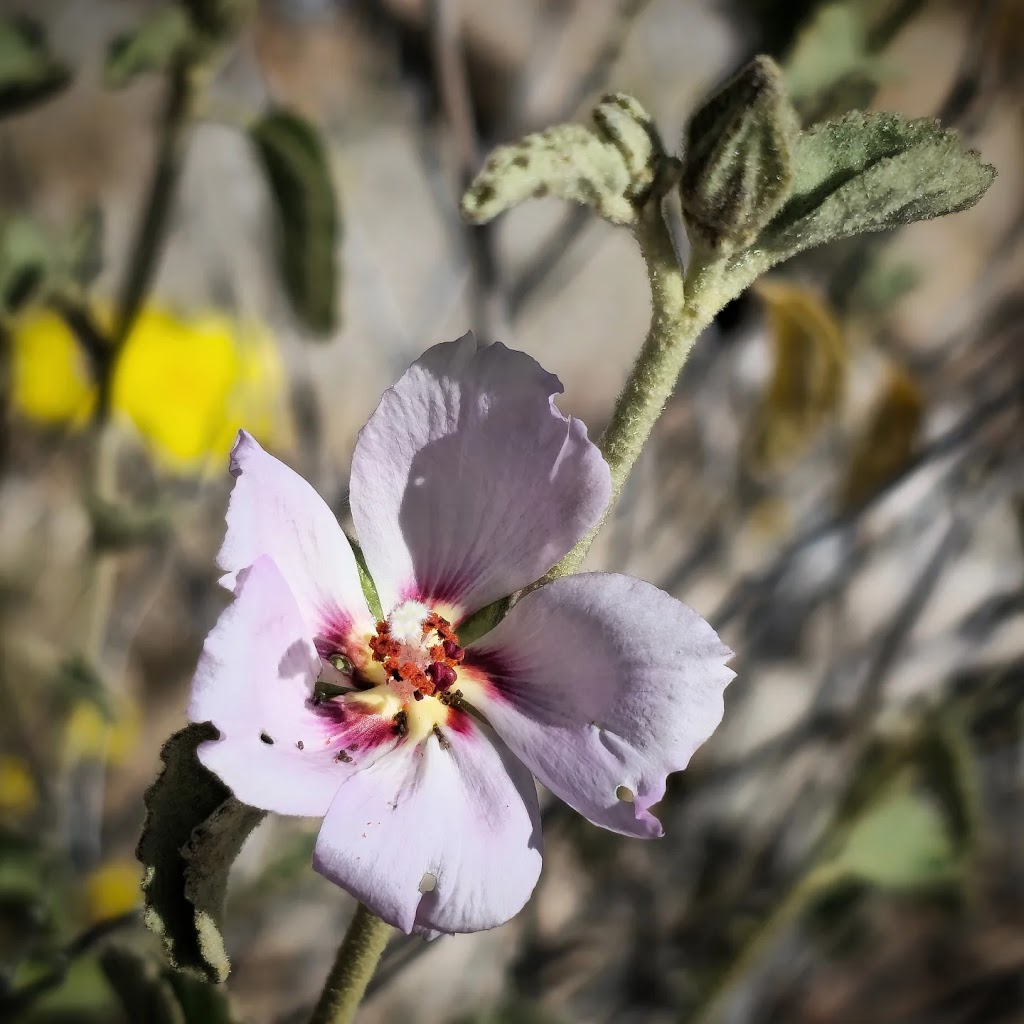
[869,172]
[611,167]
[901,841]
[193,831]
[294,160]
[140,986]
[738,158]
[484,620]
[29,73]
[366,582]
[26,262]
[153,46]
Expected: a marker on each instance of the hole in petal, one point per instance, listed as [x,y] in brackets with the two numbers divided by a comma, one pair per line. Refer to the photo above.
[428,883]
[625,794]
[266,739]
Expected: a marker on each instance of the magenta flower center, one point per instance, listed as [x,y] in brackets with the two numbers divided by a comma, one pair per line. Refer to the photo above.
[419,651]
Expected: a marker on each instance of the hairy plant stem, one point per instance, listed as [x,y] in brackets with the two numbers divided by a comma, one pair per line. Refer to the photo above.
[354,965]
[681,307]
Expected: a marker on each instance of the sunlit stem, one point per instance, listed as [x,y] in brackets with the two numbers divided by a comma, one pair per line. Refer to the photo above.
[681,307]
[356,960]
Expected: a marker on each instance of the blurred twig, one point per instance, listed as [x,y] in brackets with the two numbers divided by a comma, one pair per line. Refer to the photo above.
[184,87]
[752,587]
[18,1000]
[489,313]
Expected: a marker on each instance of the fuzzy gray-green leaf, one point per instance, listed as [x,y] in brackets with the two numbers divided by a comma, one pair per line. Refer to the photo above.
[610,167]
[295,164]
[738,158]
[193,831]
[868,172]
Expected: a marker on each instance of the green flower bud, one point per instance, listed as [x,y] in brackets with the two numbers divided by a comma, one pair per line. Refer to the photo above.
[738,158]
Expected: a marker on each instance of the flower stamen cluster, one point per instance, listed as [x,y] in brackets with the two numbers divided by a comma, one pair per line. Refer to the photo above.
[423,665]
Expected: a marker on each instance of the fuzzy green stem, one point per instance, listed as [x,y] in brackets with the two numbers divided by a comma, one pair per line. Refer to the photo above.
[681,307]
[354,965]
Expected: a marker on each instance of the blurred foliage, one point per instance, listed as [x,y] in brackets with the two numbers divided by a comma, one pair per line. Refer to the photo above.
[294,160]
[807,380]
[111,890]
[887,441]
[18,794]
[831,68]
[25,262]
[102,733]
[900,842]
[153,46]
[29,73]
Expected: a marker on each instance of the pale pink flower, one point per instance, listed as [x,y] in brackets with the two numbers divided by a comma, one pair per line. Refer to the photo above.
[467,485]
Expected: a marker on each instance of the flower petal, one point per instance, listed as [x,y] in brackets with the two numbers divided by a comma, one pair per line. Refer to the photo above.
[277,749]
[603,685]
[438,836]
[467,482]
[274,512]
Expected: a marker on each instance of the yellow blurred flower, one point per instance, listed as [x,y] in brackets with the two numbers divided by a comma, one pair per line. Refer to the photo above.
[89,734]
[186,385]
[50,380]
[112,889]
[17,788]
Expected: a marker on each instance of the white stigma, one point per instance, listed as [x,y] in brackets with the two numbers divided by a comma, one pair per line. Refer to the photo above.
[406,623]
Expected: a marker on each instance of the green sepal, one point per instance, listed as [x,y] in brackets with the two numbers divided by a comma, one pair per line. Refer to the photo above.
[153,46]
[294,160]
[869,172]
[29,73]
[193,831]
[611,166]
[366,582]
[738,158]
[484,620]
